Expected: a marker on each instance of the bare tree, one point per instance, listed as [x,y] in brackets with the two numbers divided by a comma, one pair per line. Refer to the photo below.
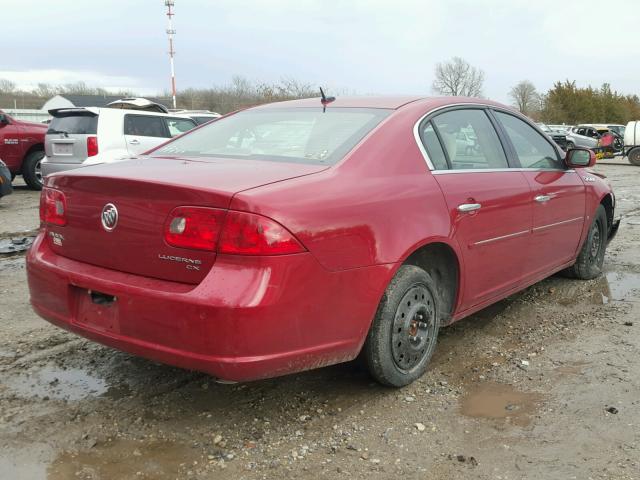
[525,97]
[458,78]
[7,86]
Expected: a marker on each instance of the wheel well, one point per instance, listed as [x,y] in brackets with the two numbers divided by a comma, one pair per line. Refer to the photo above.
[33,148]
[441,262]
[607,203]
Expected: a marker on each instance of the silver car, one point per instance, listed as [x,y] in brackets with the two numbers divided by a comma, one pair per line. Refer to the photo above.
[582,136]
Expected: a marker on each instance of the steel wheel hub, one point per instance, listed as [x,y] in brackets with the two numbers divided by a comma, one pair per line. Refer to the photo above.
[413,328]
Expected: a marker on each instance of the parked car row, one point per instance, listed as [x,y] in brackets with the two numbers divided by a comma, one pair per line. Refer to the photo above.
[76,137]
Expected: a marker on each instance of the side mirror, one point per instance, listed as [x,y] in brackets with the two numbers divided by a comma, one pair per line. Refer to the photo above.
[580,158]
[3,119]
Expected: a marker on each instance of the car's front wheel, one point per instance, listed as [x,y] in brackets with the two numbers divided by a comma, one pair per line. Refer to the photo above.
[591,257]
[404,332]
[570,145]
[31,170]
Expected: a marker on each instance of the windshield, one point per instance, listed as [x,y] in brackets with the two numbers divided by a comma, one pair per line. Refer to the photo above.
[305,135]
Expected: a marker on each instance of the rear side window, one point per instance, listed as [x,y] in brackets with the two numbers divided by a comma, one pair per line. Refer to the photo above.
[533,150]
[304,135]
[478,147]
[434,148]
[178,126]
[74,125]
[145,126]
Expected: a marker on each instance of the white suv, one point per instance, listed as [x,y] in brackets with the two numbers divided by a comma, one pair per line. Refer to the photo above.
[79,137]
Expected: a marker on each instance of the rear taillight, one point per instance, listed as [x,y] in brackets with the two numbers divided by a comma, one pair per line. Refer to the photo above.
[194,227]
[250,234]
[53,207]
[92,146]
[237,233]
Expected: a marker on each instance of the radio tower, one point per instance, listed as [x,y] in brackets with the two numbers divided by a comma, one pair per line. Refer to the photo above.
[170,33]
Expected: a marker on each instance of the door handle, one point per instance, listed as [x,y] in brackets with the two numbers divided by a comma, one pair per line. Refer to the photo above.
[469,207]
[542,198]
[134,142]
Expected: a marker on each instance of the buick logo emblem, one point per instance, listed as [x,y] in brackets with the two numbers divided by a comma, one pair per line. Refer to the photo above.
[109,217]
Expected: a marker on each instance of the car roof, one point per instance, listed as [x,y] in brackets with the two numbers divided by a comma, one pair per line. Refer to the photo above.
[385,102]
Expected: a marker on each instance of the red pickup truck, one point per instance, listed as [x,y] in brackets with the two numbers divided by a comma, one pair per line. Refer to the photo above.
[22,148]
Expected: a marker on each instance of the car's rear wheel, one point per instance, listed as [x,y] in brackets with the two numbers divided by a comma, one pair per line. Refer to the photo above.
[591,257]
[634,156]
[31,170]
[404,332]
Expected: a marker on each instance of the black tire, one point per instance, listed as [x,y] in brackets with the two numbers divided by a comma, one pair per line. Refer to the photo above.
[591,257]
[404,332]
[634,156]
[570,145]
[31,170]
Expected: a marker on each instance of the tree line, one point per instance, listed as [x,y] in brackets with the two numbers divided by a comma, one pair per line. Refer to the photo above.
[564,103]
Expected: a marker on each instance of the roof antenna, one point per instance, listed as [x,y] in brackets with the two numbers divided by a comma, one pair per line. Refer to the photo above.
[325,100]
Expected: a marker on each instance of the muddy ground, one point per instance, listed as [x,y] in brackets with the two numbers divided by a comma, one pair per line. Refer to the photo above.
[543,385]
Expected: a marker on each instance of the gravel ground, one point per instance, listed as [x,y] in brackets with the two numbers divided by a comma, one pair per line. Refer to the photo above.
[542,385]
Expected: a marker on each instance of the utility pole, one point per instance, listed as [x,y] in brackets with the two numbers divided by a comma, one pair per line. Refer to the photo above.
[170,33]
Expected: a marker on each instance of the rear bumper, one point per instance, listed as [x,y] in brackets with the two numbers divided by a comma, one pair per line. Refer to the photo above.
[49,167]
[250,318]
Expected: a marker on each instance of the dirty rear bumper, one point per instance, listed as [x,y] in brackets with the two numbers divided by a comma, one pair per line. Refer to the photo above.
[250,318]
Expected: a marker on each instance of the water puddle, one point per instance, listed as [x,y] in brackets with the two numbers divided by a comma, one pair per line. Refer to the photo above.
[57,383]
[124,460]
[613,286]
[622,286]
[501,402]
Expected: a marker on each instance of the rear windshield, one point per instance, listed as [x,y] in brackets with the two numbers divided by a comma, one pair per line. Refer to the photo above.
[82,125]
[304,135]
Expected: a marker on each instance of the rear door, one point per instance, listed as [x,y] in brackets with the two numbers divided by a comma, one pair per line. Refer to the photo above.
[66,138]
[558,196]
[489,203]
[144,132]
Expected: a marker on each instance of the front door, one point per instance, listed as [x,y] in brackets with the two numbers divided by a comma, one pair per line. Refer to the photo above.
[10,146]
[488,202]
[558,197]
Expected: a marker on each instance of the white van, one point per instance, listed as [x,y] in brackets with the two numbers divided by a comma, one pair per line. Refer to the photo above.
[79,137]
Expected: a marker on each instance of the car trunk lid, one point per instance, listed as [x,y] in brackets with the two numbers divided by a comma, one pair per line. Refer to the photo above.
[144,191]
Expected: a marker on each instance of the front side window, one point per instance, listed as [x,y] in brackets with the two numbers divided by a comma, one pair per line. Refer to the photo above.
[533,150]
[144,126]
[478,147]
[304,135]
[178,126]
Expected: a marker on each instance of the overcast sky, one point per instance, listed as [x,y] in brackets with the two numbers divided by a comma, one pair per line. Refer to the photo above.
[364,46]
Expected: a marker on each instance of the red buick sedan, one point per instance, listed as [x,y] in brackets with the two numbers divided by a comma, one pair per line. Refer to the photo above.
[290,236]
